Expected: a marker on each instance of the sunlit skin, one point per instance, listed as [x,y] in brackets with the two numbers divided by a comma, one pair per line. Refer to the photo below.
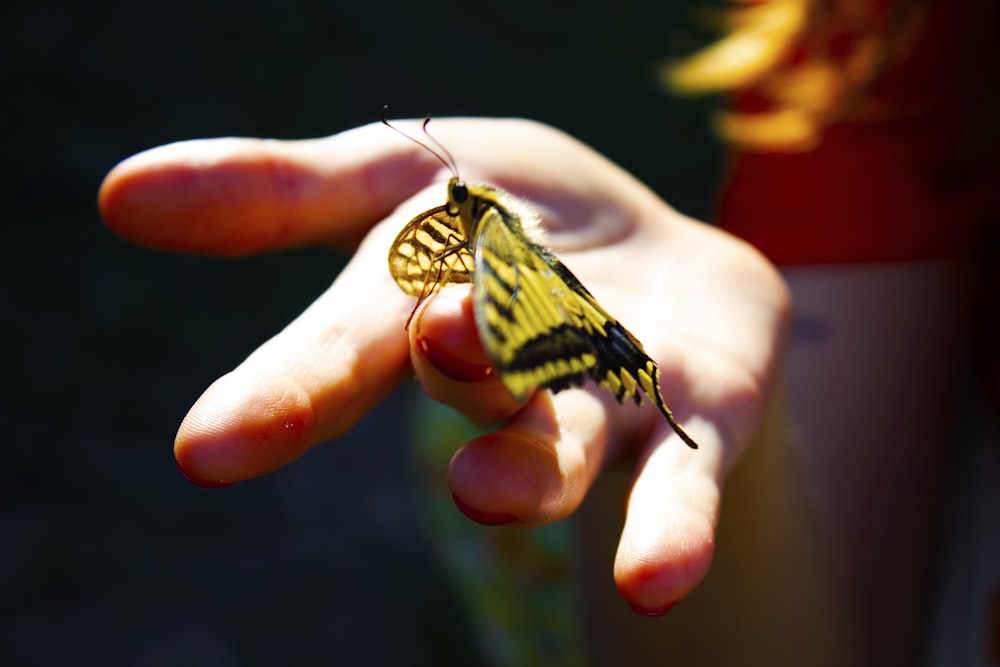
[709,309]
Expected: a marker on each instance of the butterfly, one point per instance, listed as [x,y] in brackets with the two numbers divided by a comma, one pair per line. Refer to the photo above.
[540,327]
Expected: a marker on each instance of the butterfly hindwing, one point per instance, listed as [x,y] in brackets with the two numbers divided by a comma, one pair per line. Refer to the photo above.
[623,366]
[430,251]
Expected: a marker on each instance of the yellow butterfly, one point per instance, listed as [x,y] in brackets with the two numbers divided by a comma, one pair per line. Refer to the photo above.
[540,327]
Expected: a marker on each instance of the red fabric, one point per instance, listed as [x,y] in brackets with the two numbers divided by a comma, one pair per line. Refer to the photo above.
[921,182]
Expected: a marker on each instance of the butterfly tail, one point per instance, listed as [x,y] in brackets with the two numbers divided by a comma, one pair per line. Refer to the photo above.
[624,369]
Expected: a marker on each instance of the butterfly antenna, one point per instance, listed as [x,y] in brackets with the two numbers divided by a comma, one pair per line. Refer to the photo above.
[437,149]
[451,164]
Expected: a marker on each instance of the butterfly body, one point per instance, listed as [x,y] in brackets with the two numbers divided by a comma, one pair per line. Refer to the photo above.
[539,325]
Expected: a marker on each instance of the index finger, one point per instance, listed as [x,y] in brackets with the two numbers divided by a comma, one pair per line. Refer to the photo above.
[239,196]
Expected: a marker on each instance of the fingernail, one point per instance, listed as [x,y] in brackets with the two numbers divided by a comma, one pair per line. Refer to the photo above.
[485,518]
[206,484]
[451,366]
[652,612]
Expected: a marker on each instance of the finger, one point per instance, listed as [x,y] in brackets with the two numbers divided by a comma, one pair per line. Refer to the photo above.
[242,196]
[668,537]
[535,469]
[310,383]
[450,362]
[538,467]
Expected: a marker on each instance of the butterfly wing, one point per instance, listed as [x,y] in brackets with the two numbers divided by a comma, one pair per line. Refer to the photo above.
[432,250]
[542,328]
[521,316]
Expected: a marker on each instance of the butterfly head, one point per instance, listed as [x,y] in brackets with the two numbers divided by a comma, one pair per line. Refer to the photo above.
[458,196]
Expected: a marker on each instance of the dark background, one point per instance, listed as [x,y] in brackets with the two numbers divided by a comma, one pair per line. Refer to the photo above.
[107,556]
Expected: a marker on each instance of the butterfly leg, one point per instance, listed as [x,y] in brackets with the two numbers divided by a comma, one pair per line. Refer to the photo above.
[443,270]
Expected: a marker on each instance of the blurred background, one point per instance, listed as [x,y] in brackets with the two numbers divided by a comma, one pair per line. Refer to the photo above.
[107,556]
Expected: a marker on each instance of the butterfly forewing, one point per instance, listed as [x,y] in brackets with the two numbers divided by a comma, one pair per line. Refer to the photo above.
[529,318]
[541,327]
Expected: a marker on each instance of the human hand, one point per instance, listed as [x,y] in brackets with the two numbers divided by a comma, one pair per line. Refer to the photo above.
[707,308]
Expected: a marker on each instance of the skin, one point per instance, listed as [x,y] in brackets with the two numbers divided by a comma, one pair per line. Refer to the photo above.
[708,308]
